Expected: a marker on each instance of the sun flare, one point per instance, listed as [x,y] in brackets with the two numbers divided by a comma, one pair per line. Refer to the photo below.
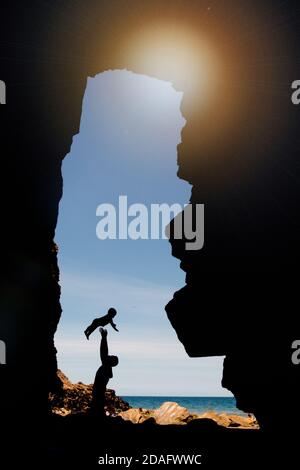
[178,55]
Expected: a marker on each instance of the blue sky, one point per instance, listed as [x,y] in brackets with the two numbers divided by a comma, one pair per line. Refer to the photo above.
[130,128]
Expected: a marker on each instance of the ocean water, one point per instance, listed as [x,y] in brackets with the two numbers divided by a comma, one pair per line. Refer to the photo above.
[196,405]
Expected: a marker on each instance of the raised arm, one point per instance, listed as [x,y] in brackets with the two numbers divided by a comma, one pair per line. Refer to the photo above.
[114,325]
[103,346]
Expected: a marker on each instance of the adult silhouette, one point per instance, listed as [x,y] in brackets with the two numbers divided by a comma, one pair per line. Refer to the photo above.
[103,374]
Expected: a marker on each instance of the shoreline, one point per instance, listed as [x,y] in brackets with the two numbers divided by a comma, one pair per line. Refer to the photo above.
[172,413]
[197,405]
[76,398]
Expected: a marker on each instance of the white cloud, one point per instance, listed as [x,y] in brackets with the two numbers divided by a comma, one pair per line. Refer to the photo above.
[152,360]
[145,368]
[129,349]
[126,291]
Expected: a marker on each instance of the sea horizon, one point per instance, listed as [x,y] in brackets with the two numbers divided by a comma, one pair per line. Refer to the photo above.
[195,404]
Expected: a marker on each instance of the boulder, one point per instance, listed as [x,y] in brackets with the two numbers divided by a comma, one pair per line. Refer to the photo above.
[231,420]
[136,415]
[172,413]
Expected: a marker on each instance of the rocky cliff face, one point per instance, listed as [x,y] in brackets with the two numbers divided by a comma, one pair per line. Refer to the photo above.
[240,293]
[73,398]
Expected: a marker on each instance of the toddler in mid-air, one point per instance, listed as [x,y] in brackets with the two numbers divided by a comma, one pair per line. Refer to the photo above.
[102,321]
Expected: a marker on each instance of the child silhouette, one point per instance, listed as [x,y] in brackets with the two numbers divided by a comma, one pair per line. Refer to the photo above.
[102,321]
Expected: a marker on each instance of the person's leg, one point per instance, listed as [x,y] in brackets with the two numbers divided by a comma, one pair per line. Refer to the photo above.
[92,327]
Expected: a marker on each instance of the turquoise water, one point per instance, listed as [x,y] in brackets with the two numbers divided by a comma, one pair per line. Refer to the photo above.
[197,405]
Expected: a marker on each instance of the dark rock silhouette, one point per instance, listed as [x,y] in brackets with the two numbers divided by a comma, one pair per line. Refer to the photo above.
[241,292]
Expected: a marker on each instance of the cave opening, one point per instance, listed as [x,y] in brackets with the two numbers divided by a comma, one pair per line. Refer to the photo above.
[127,146]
